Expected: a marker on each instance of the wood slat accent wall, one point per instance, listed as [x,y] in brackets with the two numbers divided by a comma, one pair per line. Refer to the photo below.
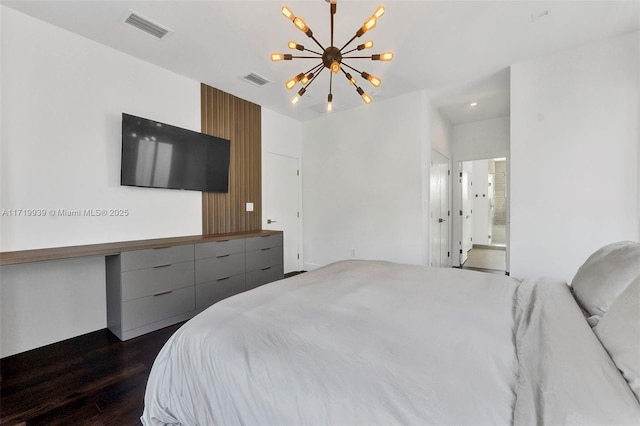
[229,117]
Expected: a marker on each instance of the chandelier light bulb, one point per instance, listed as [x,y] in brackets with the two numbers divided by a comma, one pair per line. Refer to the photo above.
[300,24]
[293,45]
[298,96]
[291,83]
[386,57]
[335,67]
[287,13]
[375,81]
[351,79]
[366,98]
[306,78]
[329,102]
[275,57]
[366,45]
[379,12]
[370,24]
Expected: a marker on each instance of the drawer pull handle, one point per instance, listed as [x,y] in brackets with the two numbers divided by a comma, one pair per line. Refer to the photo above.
[222,255]
[162,266]
[222,241]
[265,249]
[265,236]
[223,278]
[162,247]
[267,268]
[163,292]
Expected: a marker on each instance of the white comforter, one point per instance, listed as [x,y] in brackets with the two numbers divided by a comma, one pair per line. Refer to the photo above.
[362,342]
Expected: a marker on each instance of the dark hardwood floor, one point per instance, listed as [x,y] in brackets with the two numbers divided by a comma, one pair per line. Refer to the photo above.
[94,379]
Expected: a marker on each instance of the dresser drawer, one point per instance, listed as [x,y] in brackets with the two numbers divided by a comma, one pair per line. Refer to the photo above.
[147,310]
[259,259]
[263,276]
[147,282]
[257,243]
[213,268]
[140,259]
[218,248]
[214,291]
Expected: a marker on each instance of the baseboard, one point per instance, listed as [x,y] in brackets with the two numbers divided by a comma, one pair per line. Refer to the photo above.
[488,247]
[311,266]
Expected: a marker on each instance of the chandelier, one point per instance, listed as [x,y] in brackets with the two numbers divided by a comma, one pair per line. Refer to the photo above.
[331,57]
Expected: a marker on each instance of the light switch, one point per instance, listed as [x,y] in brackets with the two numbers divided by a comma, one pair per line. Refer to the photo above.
[249,207]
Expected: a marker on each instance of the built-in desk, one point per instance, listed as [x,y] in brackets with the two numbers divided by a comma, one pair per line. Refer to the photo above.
[57,253]
[53,294]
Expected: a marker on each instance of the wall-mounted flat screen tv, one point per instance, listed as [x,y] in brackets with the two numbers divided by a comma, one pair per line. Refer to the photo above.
[158,155]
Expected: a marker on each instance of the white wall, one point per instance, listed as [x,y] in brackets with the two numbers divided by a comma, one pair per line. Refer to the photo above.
[62,99]
[440,131]
[574,155]
[280,134]
[61,105]
[363,176]
[480,139]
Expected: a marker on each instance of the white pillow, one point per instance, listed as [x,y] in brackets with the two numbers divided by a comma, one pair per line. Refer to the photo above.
[619,333]
[605,275]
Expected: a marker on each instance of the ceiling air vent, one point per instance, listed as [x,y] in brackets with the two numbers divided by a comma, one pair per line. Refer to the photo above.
[256,79]
[147,25]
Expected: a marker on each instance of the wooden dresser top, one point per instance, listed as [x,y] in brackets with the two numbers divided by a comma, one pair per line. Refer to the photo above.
[56,253]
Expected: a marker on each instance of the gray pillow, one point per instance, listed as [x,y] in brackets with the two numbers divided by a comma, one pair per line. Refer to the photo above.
[605,275]
[619,333]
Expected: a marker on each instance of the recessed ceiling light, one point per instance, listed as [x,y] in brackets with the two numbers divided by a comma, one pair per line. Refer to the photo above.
[473,104]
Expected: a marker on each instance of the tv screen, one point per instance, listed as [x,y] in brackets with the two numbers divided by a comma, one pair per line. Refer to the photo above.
[158,155]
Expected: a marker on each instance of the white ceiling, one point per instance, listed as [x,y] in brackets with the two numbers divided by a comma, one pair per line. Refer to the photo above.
[458,51]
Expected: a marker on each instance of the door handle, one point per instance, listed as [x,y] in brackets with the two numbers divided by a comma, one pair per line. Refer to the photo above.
[269,221]
[441,220]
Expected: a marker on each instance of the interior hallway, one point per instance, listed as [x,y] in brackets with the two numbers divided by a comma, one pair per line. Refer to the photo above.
[493,258]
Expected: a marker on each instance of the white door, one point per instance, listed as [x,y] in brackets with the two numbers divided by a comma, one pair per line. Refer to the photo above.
[281,204]
[439,210]
[466,212]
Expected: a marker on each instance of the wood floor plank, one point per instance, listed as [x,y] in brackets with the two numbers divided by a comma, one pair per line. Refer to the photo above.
[94,379]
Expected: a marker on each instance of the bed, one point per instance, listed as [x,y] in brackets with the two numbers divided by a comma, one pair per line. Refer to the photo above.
[371,342]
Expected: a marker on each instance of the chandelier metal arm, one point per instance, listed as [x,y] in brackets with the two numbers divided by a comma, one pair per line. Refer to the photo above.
[346,74]
[349,66]
[332,57]
[317,42]
[349,42]
[312,51]
[332,11]
[349,51]
[315,76]
[315,68]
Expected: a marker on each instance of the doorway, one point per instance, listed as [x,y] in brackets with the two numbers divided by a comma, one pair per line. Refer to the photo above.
[483,214]
[440,212]
[282,204]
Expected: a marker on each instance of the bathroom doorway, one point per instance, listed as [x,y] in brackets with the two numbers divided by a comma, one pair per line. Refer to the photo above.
[483,214]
